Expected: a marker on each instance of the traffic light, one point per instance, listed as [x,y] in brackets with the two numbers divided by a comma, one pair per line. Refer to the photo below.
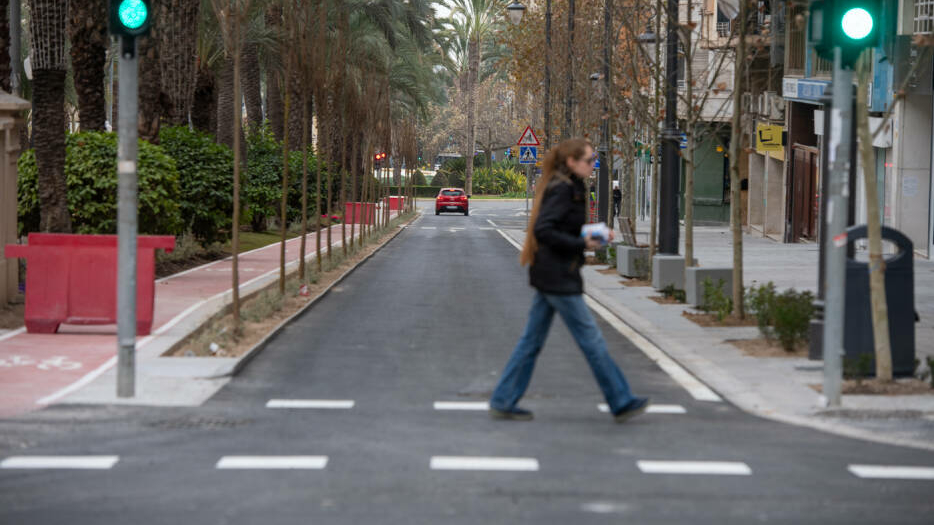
[851,25]
[130,18]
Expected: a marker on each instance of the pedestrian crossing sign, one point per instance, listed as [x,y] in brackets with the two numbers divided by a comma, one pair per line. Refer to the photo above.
[528,154]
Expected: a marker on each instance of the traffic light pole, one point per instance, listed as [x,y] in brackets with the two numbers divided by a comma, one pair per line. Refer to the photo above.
[835,241]
[127,218]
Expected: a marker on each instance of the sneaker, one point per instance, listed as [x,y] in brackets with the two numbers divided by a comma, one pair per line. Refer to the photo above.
[515,414]
[634,408]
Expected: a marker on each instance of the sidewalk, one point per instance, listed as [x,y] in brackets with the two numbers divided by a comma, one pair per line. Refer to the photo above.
[78,362]
[775,388]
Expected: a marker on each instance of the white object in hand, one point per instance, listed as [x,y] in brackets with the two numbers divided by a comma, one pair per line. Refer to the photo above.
[597,231]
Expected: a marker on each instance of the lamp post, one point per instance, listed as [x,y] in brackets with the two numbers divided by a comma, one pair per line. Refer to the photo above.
[515,11]
[668,229]
[602,149]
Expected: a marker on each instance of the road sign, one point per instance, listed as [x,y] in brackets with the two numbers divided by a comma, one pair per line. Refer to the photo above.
[528,138]
[528,154]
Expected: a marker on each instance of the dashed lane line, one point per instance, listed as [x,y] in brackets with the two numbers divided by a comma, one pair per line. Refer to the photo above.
[892,472]
[653,409]
[698,390]
[332,404]
[716,468]
[484,463]
[272,462]
[60,462]
[461,405]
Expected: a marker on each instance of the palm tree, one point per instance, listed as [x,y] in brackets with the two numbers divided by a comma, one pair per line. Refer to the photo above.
[482,18]
[47,27]
[178,58]
[87,31]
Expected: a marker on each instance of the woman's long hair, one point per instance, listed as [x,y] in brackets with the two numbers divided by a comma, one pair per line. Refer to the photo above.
[554,168]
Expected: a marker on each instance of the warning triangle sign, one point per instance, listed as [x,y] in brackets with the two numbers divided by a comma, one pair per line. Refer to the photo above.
[528,138]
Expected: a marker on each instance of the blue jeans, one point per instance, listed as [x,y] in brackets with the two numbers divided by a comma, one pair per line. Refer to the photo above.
[576,315]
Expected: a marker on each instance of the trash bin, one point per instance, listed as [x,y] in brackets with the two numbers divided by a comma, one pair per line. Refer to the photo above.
[900,298]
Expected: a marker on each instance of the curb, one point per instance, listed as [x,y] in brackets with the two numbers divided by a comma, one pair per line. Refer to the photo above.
[245,359]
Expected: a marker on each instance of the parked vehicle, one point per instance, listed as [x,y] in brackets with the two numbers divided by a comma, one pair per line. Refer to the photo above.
[452,199]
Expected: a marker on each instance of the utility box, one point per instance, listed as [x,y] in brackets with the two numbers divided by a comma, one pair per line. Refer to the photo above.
[900,298]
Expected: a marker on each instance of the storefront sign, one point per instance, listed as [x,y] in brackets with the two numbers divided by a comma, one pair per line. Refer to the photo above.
[769,138]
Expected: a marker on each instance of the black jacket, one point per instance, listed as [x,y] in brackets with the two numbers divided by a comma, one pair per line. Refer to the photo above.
[560,254]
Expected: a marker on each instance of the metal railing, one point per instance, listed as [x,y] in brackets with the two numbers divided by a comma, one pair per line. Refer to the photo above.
[797,42]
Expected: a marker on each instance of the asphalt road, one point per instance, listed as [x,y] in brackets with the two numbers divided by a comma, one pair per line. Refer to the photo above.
[432,317]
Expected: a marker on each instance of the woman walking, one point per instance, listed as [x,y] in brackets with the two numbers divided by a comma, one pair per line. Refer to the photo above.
[554,251]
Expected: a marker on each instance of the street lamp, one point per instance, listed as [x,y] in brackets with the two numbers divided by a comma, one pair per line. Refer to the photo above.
[515,11]
[668,229]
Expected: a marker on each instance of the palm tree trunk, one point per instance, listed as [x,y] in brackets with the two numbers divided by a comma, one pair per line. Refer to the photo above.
[877,297]
[204,103]
[273,84]
[473,59]
[178,58]
[736,138]
[88,34]
[150,77]
[225,103]
[5,65]
[252,86]
[47,27]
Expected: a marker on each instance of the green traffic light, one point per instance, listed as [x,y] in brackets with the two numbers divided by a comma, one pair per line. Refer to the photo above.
[133,13]
[857,23]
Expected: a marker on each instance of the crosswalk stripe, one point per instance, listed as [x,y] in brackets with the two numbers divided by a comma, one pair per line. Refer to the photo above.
[891,472]
[273,462]
[653,409]
[483,463]
[60,462]
[723,468]
[461,405]
[311,403]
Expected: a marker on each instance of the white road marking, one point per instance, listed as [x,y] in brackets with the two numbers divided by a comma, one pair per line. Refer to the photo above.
[60,462]
[493,224]
[311,403]
[605,507]
[462,405]
[690,383]
[457,229]
[698,390]
[485,228]
[87,379]
[891,472]
[719,468]
[510,239]
[273,462]
[483,463]
[12,334]
[653,409]
[429,228]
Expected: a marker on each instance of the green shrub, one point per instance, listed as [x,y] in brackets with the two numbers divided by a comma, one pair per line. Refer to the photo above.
[673,293]
[205,171]
[715,300]
[439,180]
[791,317]
[759,301]
[262,187]
[91,180]
[418,178]
[857,368]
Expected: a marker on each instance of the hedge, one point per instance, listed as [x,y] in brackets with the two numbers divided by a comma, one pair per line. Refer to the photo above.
[91,181]
[205,171]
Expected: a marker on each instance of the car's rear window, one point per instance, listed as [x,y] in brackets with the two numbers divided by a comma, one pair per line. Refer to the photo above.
[452,193]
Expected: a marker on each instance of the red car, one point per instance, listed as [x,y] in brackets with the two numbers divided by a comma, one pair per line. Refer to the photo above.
[452,199]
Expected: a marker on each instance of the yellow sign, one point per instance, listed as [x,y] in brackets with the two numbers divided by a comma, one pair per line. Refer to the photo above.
[769,138]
